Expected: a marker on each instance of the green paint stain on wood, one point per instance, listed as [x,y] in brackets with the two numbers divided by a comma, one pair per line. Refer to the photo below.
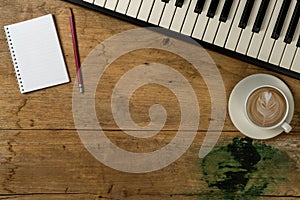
[245,169]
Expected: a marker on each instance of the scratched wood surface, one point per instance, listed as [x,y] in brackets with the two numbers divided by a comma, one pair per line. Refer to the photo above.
[42,156]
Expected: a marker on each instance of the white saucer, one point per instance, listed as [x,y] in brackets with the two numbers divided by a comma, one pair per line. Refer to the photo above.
[237,101]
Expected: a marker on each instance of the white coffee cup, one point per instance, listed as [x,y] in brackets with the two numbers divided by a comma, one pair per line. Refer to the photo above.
[267,107]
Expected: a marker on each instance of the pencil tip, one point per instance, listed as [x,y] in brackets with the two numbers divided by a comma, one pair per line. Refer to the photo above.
[70,11]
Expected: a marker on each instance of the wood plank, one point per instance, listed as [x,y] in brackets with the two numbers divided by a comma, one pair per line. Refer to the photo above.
[42,162]
[52,108]
[93,29]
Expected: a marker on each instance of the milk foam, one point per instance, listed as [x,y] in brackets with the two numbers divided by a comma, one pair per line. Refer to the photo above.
[266,107]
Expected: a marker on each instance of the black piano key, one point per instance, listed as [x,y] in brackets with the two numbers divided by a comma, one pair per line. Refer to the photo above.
[199,6]
[179,3]
[246,14]
[293,24]
[260,16]
[298,42]
[226,10]
[165,1]
[280,20]
[212,8]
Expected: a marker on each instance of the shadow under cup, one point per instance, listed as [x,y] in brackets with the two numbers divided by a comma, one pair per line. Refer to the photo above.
[267,107]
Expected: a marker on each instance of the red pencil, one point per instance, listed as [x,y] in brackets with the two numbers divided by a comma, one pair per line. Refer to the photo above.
[76,55]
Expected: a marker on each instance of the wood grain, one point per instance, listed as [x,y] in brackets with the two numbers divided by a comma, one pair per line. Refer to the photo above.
[42,156]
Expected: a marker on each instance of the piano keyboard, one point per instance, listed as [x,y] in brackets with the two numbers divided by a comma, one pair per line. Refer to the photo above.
[262,32]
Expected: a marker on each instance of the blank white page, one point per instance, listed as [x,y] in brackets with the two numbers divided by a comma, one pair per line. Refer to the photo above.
[36,53]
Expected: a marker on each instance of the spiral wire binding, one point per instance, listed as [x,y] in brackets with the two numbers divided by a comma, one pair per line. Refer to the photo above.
[14,59]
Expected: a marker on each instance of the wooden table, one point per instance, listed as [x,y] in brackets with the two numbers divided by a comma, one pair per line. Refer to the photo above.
[42,156]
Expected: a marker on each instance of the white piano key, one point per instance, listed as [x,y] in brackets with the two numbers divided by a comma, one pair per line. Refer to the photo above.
[213,25]
[235,30]
[156,12]
[290,50]
[201,23]
[268,42]
[133,8]
[258,38]
[122,6]
[224,28]
[280,45]
[190,19]
[145,10]
[296,63]
[89,1]
[180,15]
[247,33]
[111,4]
[99,2]
[288,57]
[168,14]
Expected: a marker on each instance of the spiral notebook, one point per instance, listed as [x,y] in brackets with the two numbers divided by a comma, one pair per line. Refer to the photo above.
[36,53]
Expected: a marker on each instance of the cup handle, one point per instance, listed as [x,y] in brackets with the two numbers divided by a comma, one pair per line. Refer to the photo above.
[286,127]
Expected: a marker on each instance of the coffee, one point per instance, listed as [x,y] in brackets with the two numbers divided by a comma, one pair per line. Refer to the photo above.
[266,107]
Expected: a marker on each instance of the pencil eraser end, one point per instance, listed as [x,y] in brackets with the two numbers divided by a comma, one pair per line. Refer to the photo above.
[81,90]
[80,86]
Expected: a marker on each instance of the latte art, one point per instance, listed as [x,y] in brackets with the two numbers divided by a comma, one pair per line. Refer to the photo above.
[266,107]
